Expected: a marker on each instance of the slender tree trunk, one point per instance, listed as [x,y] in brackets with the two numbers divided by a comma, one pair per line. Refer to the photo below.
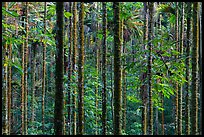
[144,86]
[200,68]
[9,90]
[44,73]
[59,103]
[187,108]
[149,66]
[117,71]
[26,71]
[194,97]
[69,72]
[162,103]
[124,100]
[74,64]
[23,82]
[176,85]
[81,72]
[97,71]
[112,90]
[104,50]
[124,105]
[5,86]
[180,85]
[33,83]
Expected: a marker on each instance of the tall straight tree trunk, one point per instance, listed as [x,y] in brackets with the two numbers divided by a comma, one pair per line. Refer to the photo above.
[59,103]
[124,103]
[200,66]
[194,92]
[69,71]
[26,71]
[149,66]
[124,100]
[162,103]
[74,64]
[187,108]
[9,90]
[81,72]
[97,72]
[23,83]
[44,72]
[144,86]
[104,50]
[117,71]
[33,51]
[5,86]
[180,86]
[176,84]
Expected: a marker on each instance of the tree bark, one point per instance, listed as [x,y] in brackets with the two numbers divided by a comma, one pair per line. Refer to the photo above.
[176,84]
[187,107]
[149,66]
[194,97]
[74,66]
[117,71]
[5,86]
[81,72]
[59,103]
[44,72]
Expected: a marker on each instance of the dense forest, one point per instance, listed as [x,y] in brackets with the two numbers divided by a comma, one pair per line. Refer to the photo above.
[101,68]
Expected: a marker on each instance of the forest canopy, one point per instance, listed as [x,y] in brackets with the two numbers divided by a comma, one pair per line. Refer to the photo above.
[101,68]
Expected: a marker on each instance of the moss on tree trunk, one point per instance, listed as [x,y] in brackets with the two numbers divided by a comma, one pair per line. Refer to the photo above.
[117,70]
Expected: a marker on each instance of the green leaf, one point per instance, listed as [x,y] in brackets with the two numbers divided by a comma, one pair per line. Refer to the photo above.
[100,36]
[18,67]
[50,42]
[67,14]
[11,13]
[172,18]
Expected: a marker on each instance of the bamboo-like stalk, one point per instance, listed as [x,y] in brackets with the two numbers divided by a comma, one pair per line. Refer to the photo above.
[149,66]
[81,72]
[74,66]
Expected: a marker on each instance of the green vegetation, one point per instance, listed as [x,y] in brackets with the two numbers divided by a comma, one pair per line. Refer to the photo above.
[101,68]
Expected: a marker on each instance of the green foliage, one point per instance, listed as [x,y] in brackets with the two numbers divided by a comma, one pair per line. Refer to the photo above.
[9,13]
[67,14]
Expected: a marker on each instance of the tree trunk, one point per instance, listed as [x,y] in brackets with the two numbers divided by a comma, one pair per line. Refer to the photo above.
[69,71]
[176,85]
[104,50]
[44,72]
[23,80]
[97,55]
[74,68]
[144,86]
[124,100]
[180,85]
[117,70]
[162,102]
[149,66]
[59,103]
[33,83]
[81,72]
[187,107]
[9,90]
[5,86]
[194,97]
